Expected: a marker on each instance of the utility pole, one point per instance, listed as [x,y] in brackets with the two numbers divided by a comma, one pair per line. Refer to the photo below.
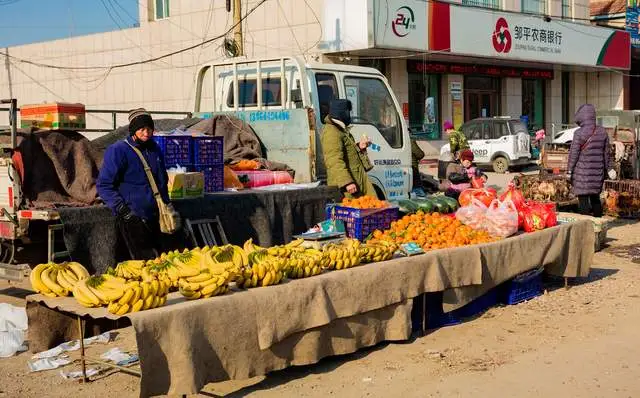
[237,22]
[7,65]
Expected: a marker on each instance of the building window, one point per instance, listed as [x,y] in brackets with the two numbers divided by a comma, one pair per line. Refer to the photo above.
[534,6]
[566,111]
[161,9]
[424,107]
[566,9]
[481,3]
[533,103]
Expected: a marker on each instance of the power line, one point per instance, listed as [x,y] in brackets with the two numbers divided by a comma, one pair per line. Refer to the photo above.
[124,65]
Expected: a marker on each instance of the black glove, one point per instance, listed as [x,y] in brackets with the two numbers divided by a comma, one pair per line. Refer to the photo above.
[458,178]
[124,213]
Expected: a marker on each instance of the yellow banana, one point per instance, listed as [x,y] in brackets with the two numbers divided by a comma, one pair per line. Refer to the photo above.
[137,292]
[113,307]
[147,302]
[126,297]
[48,277]
[137,306]
[62,280]
[77,268]
[247,284]
[195,296]
[36,281]
[267,280]
[70,275]
[154,287]
[203,276]
[86,293]
[124,308]
[156,301]
[189,286]
[146,290]
[210,290]
[53,295]
[161,301]
[113,294]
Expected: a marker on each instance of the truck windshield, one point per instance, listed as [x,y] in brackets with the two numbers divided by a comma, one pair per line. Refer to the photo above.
[373,104]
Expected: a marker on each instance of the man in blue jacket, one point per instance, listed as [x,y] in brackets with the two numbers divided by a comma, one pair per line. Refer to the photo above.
[123,186]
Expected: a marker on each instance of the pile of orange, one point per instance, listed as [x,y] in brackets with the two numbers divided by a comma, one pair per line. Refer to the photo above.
[244,165]
[432,231]
[365,202]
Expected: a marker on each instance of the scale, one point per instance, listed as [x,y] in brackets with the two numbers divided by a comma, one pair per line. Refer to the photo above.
[317,240]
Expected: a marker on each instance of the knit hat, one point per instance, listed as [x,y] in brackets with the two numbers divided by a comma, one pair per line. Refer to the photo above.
[467,154]
[139,118]
[447,125]
[340,109]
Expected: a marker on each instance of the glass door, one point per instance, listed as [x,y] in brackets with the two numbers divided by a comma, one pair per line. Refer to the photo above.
[480,104]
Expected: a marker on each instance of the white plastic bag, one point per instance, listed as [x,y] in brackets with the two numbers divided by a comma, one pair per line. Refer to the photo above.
[473,215]
[502,218]
[13,323]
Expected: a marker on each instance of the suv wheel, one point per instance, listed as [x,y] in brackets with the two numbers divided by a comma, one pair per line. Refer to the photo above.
[500,164]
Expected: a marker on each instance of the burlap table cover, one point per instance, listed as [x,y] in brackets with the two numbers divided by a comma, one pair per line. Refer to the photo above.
[184,345]
[565,251]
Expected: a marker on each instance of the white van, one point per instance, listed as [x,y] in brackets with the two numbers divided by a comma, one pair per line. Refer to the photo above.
[499,142]
[288,118]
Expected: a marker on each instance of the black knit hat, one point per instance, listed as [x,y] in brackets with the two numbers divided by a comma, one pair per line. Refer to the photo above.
[139,118]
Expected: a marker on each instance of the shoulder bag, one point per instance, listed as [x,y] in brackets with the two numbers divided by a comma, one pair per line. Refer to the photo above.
[169,217]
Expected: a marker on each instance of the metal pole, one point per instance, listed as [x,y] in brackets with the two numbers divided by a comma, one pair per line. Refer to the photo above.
[14,123]
[237,30]
[82,358]
[114,120]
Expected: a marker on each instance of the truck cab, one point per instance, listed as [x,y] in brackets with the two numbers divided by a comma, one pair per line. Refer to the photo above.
[286,102]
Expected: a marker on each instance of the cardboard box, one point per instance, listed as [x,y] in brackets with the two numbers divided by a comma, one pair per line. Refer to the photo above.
[55,116]
[185,185]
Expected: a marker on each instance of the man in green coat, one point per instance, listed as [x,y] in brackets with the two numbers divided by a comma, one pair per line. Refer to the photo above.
[346,162]
[457,140]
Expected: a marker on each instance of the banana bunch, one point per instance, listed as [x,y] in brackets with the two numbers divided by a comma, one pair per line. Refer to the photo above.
[204,285]
[304,264]
[377,251]
[119,295]
[130,270]
[263,270]
[346,254]
[57,280]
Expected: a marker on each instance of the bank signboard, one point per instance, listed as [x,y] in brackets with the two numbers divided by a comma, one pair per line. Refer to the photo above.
[526,37]
[400,24]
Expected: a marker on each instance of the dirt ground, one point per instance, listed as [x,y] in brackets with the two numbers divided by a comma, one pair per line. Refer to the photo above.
[580,342]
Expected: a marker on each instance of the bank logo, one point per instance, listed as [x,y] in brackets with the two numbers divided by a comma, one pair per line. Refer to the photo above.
[404,22]
[502,36]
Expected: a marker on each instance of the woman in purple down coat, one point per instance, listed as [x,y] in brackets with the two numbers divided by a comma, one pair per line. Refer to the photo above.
[589,161]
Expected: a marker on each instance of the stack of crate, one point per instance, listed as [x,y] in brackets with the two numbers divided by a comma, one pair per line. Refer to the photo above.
[199,153]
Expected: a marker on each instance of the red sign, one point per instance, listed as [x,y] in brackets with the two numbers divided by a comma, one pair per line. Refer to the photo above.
[502,36]
[485,70]
[405,110]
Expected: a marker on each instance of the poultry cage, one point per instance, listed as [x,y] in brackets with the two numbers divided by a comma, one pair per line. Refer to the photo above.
[622,198]
[546,188]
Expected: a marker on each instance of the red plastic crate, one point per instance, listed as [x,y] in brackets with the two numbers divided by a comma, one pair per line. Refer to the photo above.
[261,178]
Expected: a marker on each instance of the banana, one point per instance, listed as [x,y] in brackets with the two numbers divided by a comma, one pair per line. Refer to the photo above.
[63,281]
[113,307]
[86,294]
[214,280]
[307,272]
[77,268]
[189,286]
[262,270]
[210,290]
[154,287]
[53,295]
[146,290]
[187,292]
[70,275]
[247,283]
[48,277]
[137,306]
[267,280]
[195,296]
[137,292]
[100,294]
[124,308]
[126,297]
[161,301]
[203,276]
[147,302]
[156,301]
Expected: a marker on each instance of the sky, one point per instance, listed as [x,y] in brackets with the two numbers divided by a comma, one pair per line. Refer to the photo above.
[31,21]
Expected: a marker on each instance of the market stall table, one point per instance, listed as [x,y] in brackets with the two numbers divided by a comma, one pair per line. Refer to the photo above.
[269,217]
[185,345]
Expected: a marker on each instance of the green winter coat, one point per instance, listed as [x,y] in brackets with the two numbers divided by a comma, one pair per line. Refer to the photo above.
[344,161]
[457,142]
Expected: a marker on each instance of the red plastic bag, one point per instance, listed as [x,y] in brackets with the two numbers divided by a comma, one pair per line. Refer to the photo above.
[533,219]
[477,182]
[484,195]
[547,210]
[513,194]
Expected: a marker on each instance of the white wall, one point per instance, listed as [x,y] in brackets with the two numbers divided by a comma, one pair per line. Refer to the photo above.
[276,28]
[511,97]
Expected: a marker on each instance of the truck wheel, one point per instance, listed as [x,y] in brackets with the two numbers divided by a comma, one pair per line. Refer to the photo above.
[500,164]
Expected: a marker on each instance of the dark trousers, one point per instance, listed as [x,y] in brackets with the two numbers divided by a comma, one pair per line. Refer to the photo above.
[142,238]
[590,205]
[417,181]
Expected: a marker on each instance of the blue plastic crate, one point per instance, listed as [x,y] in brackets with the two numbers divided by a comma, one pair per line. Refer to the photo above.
[360,223]
[176,149]
[213,177]
[479,305]
[208,150]
[523,287]
[428,307]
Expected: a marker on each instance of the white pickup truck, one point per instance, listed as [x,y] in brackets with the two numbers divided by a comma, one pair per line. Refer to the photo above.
[285,101]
